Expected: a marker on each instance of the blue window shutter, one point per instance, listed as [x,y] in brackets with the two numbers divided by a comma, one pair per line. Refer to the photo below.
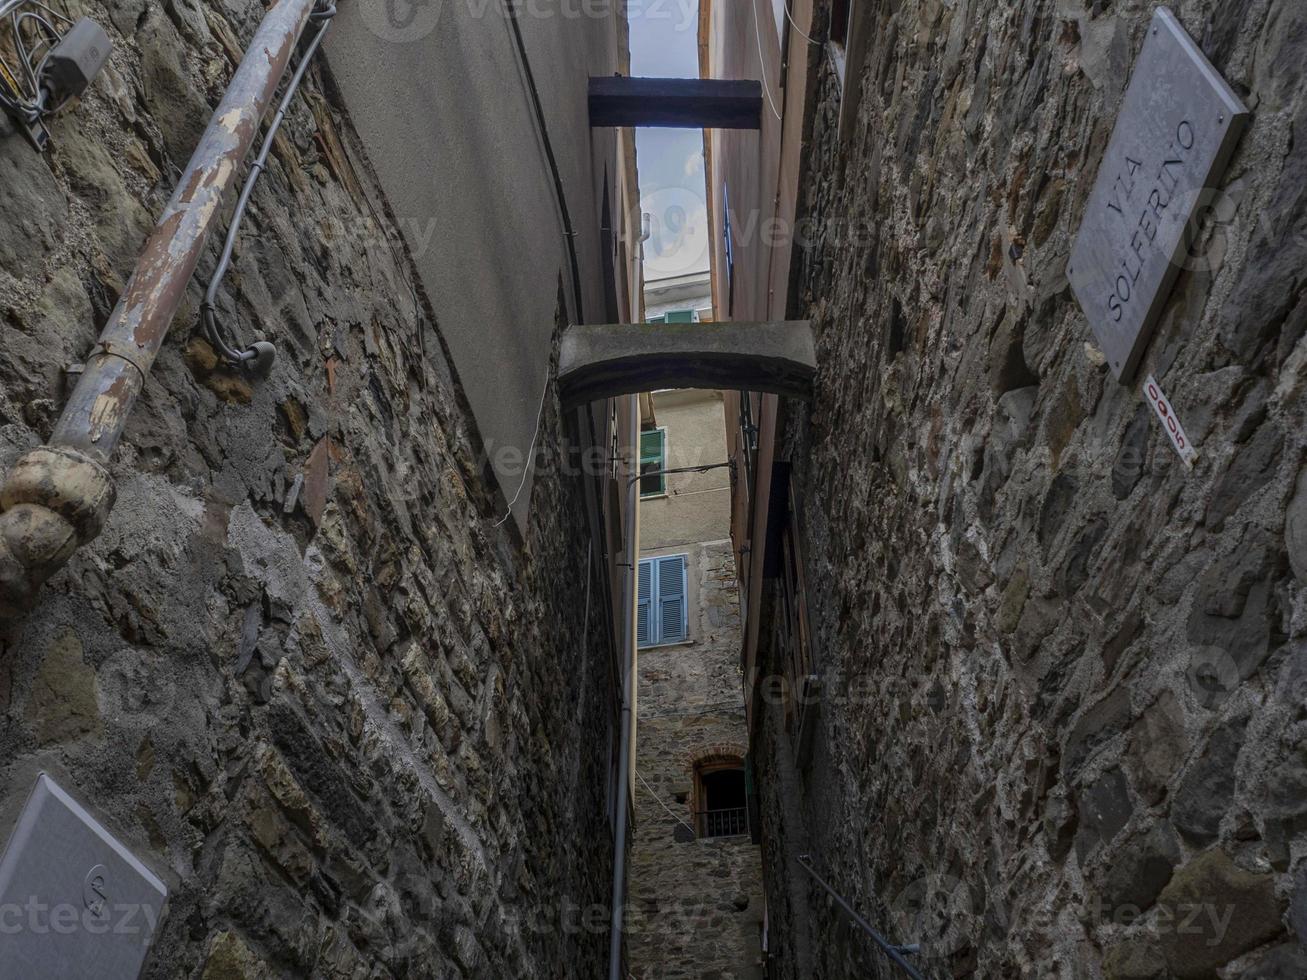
[679,316]
[671,599]
[644,608]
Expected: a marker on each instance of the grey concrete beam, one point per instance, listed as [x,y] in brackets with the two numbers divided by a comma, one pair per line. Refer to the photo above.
[681,103]
[600,361]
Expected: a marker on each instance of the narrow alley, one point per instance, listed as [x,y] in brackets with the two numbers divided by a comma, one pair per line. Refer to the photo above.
[710,489]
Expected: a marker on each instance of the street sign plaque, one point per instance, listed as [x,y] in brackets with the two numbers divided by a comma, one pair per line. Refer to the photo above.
[1176,131]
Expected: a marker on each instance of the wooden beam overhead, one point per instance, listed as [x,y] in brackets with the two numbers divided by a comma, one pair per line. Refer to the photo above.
[681,103]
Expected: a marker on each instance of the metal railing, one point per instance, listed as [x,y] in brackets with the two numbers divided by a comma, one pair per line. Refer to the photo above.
[894,952]
[723,823]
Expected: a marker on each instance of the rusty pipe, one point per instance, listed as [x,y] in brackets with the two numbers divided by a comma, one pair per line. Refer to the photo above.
[58,497]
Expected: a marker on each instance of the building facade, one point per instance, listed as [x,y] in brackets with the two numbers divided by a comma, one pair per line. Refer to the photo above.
[695,880]
[684,299]
[1023,687]
[298,675]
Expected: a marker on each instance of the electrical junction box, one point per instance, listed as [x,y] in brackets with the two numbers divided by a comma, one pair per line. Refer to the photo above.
[76,59]
[74,902]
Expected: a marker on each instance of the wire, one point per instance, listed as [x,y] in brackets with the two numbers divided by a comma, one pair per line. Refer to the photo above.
[560,194]
[659,801]
[29,106]
[762,65]
[530,453]
[795,24]
[208,308]
[569,233]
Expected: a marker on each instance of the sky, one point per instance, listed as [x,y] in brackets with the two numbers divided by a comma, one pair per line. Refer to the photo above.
[664,43]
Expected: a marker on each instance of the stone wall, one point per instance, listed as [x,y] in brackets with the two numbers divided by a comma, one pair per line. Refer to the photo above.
[300,672]
[1064,726]
[695,904]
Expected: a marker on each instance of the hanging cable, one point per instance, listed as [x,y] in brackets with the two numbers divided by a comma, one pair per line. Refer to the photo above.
[762,64]
[530,453]
[659,801]
[795,24]
[21,92]
[560,193]
[565,216]
[48,61]
[258,357]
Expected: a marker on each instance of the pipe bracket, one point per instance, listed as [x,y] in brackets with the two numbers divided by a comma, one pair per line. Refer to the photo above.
[137,358]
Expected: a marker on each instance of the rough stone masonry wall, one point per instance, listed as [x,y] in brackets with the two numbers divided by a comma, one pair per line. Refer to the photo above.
[1067,677]
[696,905]
[300,673]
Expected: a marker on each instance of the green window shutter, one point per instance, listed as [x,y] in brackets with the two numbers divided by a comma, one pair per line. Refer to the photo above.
[671,599]
[644,607]
[653,457]
[679,316]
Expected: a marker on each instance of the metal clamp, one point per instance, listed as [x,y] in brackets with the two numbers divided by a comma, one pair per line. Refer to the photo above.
[132,355]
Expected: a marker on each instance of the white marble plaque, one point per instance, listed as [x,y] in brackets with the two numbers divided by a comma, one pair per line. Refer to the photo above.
[1177,128]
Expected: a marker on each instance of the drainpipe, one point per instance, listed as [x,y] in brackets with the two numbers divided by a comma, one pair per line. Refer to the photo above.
[632,548]
[58,497]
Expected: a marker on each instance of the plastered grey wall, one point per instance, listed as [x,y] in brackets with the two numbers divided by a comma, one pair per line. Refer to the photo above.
[1063,728]
[301,672]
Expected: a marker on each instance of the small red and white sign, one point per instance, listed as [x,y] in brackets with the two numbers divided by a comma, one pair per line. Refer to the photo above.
[1154,395]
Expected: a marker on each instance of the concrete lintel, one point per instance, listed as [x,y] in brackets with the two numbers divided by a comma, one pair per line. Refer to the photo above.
[601,361]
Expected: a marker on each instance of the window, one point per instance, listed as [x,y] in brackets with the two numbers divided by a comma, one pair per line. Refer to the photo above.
[676,316]
[653,459]
[721,799]
[661,608]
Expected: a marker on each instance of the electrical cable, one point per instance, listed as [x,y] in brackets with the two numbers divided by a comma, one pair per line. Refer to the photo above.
[560,193]
[569,233]
[208,308]
[658,800]
[530,453]
[762,65]
[29,106]
[795,24]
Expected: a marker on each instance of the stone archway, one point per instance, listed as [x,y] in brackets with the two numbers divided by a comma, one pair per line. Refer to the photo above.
[605,360]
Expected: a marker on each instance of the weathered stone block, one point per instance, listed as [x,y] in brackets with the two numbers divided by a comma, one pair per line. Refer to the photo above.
[1207,789]
[1213,911]
[63,704]
[1158,746]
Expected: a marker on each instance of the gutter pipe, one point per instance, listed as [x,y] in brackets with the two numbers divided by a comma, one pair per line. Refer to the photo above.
[58,497]
[632,549]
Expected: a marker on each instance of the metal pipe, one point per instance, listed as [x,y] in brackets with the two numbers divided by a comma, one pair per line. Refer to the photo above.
[895,953]
[628,697]
[57,497]
[260,355]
